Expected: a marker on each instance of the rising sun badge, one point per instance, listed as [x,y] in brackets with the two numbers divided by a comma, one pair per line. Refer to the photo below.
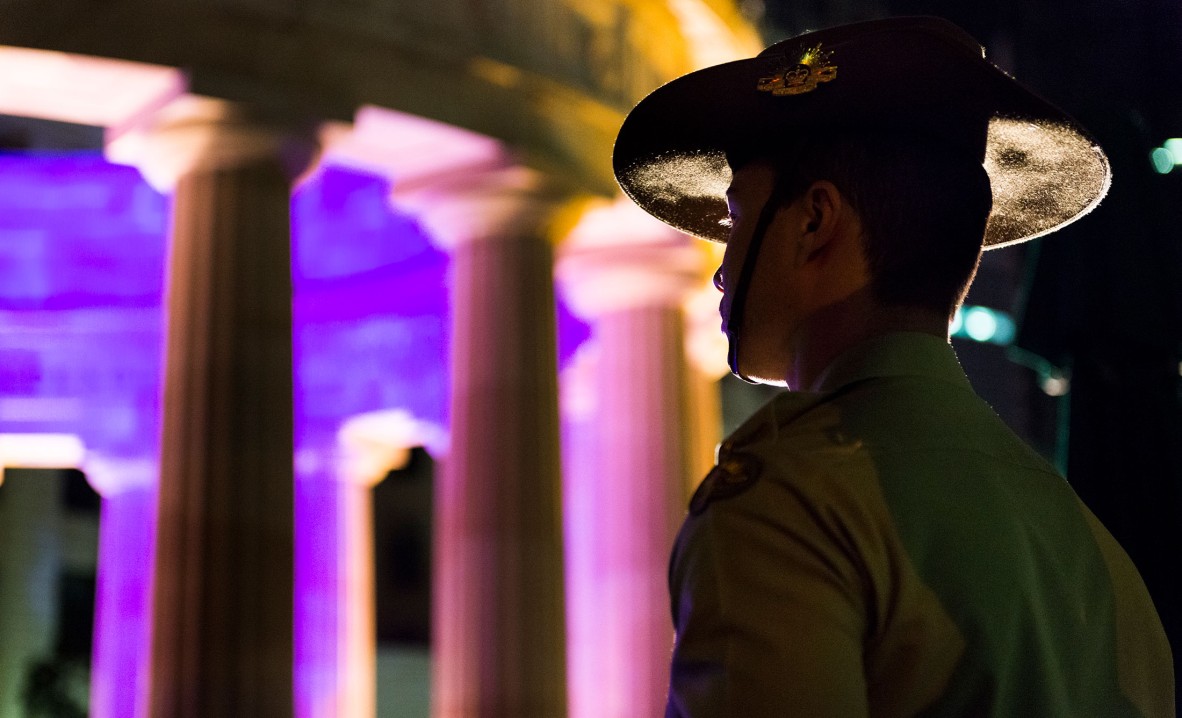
[813,68]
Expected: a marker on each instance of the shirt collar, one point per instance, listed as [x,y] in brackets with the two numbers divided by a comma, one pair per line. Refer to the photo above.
[891,355]
[894,355]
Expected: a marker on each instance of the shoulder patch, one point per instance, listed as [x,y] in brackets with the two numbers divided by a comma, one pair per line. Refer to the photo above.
[733,475]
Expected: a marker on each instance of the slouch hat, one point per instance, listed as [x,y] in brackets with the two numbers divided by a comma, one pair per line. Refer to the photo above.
[922,77]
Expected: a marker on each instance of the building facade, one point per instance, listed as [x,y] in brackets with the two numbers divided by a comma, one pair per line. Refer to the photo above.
[249,519]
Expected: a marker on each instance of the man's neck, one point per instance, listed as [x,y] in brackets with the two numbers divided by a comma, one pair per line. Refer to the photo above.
[833,330]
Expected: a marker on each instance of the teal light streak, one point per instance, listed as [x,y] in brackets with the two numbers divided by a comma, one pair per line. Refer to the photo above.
[982,324]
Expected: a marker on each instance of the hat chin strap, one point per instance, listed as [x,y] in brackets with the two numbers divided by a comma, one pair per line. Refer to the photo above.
[734,322]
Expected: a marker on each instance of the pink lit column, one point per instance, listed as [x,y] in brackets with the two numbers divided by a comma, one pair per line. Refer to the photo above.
[631,276]
[336,641]
[222,600]
[334,666]
[498,644]
[119,666]
[706,352]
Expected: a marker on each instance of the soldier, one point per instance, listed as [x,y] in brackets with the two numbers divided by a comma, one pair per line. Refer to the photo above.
[876,542]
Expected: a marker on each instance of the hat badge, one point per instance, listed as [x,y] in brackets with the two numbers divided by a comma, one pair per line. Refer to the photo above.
[813,68]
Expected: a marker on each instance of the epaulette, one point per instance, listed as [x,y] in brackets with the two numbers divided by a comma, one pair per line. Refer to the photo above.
[732,475]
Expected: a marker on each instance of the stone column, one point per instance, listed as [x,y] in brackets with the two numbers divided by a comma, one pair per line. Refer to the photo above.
[498,644]
[336,642]
[222,597]
[631,276]
[581,515]
[122,609]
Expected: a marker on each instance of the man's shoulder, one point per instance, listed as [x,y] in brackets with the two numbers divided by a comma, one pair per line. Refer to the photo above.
[849,447]
[908,414]
[796,448]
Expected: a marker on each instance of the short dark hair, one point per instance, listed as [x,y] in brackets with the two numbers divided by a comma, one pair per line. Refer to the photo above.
[923,207]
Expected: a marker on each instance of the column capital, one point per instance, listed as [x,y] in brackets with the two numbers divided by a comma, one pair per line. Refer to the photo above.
[618,257]
[195,133]
[462,186]
[371,445]
[491,202]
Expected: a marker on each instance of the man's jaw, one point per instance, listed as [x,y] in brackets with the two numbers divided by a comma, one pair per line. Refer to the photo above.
[732,357]
[732,337]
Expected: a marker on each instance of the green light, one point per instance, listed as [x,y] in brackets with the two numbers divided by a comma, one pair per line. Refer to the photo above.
[1163,160]
[1174,147]
[980,324]
[1006,329]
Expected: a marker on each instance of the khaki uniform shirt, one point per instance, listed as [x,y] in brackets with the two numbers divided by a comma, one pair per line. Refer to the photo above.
[888,547]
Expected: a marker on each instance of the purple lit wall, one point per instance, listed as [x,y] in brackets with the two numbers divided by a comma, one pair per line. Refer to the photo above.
[82,255]
[81,267]
[370,294]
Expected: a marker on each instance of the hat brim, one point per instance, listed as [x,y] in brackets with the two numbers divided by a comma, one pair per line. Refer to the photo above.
[904,75]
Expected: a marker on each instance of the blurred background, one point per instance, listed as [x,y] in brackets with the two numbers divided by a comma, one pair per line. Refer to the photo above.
[1075,339]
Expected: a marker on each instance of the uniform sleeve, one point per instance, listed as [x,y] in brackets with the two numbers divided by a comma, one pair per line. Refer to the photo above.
[769,610]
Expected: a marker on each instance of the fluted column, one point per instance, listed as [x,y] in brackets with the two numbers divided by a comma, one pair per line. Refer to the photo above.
[631,276]
[336,641]
[122,610]
[222,597]
[498,643]
[581,516]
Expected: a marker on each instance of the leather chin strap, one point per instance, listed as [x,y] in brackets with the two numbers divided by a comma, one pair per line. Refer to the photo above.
[734,322]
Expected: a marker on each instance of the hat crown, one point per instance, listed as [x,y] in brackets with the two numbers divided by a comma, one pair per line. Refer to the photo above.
[897,27]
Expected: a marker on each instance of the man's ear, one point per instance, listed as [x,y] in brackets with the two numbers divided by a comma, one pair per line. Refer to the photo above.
[823,206]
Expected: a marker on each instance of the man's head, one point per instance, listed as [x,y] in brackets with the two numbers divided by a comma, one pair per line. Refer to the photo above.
[818,221]
[928,146]
[922,209]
